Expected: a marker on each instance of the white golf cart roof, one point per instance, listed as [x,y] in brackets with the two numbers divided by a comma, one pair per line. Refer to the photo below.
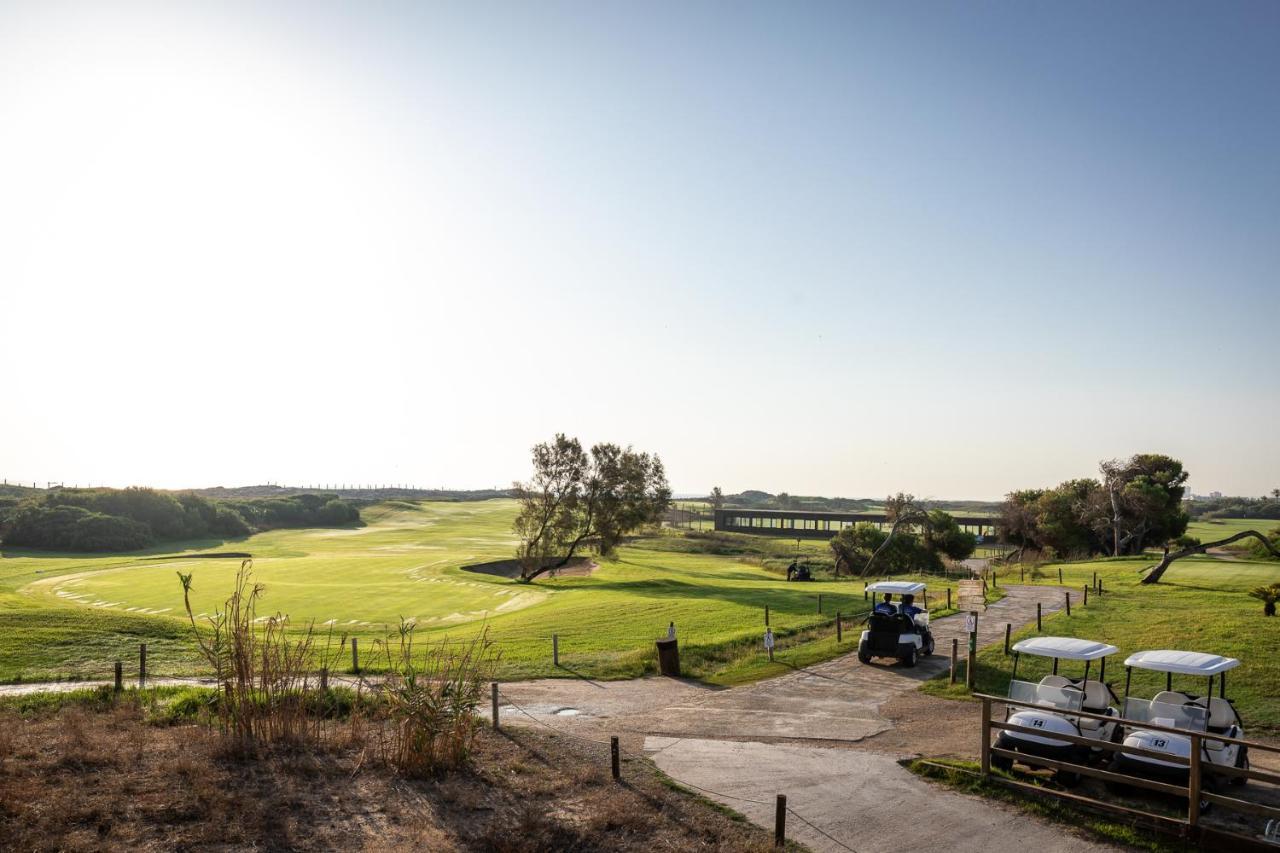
[1183,663]
[897,587]
[1065,648]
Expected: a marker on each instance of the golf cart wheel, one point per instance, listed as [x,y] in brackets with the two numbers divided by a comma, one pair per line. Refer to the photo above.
[927,649]
[909,659]
[1067,778]
[863,655]
[1242,763]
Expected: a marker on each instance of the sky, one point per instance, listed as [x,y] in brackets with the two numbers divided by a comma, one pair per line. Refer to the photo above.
[842,249]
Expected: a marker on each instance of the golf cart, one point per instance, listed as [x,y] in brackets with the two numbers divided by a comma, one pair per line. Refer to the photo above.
[1178,710]
[1057,697]
[797,572]
[896,635]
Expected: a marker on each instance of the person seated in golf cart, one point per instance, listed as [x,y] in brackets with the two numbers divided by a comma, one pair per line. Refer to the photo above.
[1172,709]
[908,607]
[894,633]
[886,605]
[1054,698]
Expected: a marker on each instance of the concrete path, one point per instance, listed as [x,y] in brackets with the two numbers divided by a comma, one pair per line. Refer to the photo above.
[802,734]
[863,801]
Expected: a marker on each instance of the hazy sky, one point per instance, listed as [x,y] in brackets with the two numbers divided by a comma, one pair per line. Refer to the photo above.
[950,248]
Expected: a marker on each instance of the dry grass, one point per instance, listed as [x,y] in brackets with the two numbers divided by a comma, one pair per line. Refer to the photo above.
[77,780]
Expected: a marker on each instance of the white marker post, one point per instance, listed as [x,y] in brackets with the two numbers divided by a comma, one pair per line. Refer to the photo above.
[768,641]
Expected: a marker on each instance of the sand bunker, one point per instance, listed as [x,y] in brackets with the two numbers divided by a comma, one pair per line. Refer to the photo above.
[577,567]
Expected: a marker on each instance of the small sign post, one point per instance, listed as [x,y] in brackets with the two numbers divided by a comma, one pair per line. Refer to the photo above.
[971,625]
[768,641]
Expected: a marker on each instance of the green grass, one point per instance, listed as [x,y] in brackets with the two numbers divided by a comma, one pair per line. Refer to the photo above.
[1220,528]
[71,616]
[1200,605]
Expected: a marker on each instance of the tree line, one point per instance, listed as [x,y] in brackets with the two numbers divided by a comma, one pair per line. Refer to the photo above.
[92,520]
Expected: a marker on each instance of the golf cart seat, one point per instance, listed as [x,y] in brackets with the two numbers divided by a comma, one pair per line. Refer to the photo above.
[1052,691]
[1171,697]
[1222,716]
[890,623]
[1097,698]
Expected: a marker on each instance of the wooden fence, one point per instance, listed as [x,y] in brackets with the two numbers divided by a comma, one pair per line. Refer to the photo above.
[1197,789]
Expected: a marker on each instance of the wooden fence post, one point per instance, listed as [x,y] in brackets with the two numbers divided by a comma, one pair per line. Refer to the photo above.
[948,598]
[1022,574]
[493,690]
[766,616]
[955,656]
[614,758]
[1039,617]
[1059,575]
[1008,629]
[1086,595]
[355,655]
[985,747]
[1193,784]
[555,649]
[324,678]
[142,664]
[780,822]
[839,635]
[119,676]
[1068,597]
[819,604]
[1095,580]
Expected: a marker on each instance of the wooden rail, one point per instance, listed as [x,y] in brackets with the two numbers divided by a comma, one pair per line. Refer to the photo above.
[1193,790]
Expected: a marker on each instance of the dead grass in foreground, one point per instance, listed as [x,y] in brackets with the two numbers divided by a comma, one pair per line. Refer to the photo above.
[88,780]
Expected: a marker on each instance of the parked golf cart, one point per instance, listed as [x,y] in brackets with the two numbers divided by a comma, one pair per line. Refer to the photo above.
[1179,710]
[896,635]
[1058,697]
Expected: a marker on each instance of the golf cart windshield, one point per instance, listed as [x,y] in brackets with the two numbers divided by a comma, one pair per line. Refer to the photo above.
[1060,697]
[1174,716]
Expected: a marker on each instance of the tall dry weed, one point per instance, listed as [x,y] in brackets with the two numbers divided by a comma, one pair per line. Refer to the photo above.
[262,670]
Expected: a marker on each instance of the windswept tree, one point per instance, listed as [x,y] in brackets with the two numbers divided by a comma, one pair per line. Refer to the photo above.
[861,547]
[717,498]
[577,500]
[1144,494]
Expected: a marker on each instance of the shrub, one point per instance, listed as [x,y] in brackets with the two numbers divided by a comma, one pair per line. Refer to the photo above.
[431,702]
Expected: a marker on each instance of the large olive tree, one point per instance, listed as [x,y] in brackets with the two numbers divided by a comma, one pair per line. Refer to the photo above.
[577,500]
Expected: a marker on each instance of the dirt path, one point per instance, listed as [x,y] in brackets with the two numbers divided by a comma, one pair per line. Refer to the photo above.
[826,736]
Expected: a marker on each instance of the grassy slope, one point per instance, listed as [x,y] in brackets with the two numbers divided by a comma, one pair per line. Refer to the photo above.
[406,562]
[1200,605]
[1221,528]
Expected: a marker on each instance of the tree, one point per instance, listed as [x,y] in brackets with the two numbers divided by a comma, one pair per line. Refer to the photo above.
[1268,595]
[577,500]
[717,498]
[1144,493]
[861,546]
[783,500]
[1275,493]
[1019,518]
[1200,548]
[942,535]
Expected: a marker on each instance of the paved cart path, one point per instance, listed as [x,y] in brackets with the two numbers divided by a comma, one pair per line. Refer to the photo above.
[802,734]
